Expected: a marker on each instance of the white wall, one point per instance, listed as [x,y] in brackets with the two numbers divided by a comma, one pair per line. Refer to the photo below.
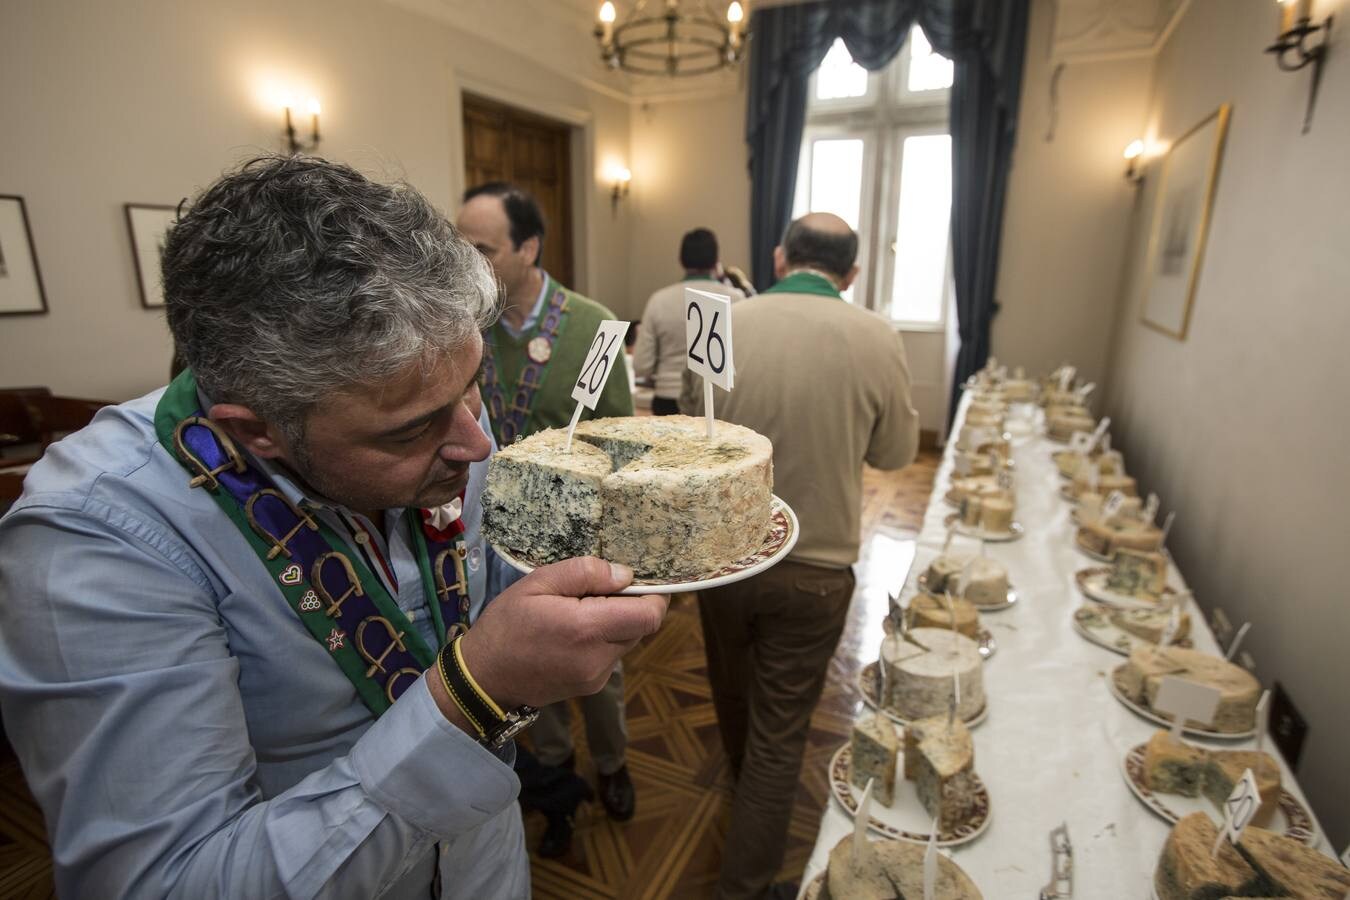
[689,170]
[1066,221]
[1242,428]
[147,101]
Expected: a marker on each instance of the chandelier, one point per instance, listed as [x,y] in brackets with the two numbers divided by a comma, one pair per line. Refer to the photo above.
[681,38]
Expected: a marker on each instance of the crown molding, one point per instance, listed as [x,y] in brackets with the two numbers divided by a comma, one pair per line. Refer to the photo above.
[1093,31]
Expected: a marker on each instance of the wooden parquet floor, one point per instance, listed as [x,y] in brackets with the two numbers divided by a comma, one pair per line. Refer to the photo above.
[672,847]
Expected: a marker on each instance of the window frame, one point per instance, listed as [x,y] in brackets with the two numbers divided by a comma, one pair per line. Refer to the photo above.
[889,233]
[843,130]
[887,115]
[875,86]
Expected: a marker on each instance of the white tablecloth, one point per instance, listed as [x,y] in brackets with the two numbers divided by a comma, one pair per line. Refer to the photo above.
[1052,747]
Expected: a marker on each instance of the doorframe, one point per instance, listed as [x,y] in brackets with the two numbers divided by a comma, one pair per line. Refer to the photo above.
[581,122]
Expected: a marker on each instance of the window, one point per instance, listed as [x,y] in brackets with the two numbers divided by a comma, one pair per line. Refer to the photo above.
[876,152]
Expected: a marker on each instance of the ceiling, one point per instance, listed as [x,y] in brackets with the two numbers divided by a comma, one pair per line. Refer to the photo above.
[558,35]
[1109,29]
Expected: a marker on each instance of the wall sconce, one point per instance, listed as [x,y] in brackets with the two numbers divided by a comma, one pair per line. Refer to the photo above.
[1295,28]
[622,178]
[1133,173]
[295,146]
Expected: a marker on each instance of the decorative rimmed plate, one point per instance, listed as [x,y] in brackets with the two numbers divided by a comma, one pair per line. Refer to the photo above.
[868,679]
[1113,684]
[954,521]
[906,819]
[922,584]
[1094,623]
[779,540]
[1092,582]
[1292,818]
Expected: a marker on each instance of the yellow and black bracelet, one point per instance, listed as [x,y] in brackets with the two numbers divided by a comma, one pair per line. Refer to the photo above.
[494,725]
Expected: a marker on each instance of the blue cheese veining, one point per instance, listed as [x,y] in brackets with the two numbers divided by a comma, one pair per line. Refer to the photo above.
[653,493]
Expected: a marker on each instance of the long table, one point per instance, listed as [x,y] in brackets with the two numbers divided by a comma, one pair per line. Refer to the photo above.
[1052,747]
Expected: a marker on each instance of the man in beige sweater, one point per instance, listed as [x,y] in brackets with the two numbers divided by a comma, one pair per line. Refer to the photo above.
[661,344]
[827,382]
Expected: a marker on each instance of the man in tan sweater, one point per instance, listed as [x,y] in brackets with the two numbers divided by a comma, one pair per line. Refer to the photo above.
[827,382]
[661,342]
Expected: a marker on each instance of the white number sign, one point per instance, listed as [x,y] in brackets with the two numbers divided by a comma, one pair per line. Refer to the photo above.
[1240,806]
[930,865]
[1115,501]
[606,347]
[707,333]
[1186,701]
[1100,433]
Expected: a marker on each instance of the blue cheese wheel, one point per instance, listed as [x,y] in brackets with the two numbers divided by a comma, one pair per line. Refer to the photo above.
[875,751]
[889,869]
[653,493]
[940,760]
[920,667]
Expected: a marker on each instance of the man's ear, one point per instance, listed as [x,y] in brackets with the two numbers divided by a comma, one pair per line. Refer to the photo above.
[779,262]
[248,431]
[848,279]
[529,248]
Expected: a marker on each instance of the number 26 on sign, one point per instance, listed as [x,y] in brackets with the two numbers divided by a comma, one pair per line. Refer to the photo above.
[606,347]
[707,332]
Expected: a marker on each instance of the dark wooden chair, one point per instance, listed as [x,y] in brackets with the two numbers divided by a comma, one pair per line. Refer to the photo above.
[11,486]
[20,436]
[56,417]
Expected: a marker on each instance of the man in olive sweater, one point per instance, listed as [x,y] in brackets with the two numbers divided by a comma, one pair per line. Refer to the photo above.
[531,358]
[828,383]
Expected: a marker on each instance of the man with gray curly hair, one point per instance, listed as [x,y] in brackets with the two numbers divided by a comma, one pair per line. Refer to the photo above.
[246,644]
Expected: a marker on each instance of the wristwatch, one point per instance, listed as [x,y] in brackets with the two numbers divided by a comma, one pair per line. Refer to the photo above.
[494,725]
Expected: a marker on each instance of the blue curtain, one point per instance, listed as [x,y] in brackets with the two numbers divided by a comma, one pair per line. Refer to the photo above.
[984,38]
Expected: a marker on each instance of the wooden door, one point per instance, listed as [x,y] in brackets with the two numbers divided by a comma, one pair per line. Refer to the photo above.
[502,143]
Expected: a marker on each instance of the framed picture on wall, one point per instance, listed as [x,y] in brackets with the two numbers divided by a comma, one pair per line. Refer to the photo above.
[149,227]
[21,290]
[1181,212]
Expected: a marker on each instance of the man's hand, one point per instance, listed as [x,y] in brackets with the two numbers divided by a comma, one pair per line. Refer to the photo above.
[555,634]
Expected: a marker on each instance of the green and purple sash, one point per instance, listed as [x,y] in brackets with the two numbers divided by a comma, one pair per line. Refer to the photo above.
[343,605]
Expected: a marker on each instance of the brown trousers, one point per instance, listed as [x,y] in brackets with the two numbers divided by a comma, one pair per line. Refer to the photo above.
[769,641]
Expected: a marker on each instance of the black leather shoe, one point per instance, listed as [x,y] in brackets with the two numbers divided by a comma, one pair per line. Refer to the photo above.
[557,839]
[616,793]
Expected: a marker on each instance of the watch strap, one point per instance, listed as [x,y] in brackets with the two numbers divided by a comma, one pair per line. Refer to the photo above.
[494,726]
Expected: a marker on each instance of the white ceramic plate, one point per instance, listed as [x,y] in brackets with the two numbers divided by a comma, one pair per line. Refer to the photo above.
[1093,623]
[922,583]
[1092,582]
[1146,713]
[1291,817]
[905,819]
[954,521]
[871,694]
[778,543]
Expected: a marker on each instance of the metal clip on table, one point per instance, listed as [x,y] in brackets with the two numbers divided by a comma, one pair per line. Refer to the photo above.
[1061,866]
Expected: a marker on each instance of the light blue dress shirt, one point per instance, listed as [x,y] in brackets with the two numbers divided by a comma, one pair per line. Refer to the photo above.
[184,733]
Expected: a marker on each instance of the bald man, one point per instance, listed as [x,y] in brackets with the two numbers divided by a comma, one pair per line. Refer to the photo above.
[827,382]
